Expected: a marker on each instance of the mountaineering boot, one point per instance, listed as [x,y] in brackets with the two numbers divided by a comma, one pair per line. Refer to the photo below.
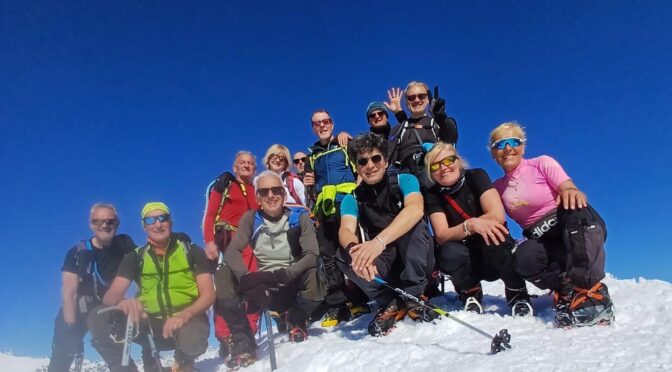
[242,351]
[563,315]
[592,306]
[471,299]
[335,315]
[386,317]
[421,313]
[357,310]
[519,301]
[297,332]
[183,366]
[225,347]
[280,321]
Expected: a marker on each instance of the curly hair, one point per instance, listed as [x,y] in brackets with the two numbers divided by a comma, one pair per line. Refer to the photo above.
[366,142]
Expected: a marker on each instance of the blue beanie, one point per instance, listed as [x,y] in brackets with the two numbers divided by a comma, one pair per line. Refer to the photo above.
[375,106]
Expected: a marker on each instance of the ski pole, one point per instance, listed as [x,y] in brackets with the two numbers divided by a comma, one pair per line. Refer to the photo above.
[500,341]
[152,347]
[271,344]
[79,359]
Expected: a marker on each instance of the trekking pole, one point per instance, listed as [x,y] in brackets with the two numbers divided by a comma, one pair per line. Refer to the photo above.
[79,360]
[152,348]
[500,341]
[271,345]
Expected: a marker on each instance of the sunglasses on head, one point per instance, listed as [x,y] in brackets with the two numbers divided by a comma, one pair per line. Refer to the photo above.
[317,123]
[300,160]
[276,190]
[107,222]
[511,141]
[375,159]
[150,220]
[376,114]
[447,161]
[420,96]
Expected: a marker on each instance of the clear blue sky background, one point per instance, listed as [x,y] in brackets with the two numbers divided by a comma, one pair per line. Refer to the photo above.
[130,102]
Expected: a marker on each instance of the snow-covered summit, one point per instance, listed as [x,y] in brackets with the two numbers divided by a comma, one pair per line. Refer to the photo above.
[639,340]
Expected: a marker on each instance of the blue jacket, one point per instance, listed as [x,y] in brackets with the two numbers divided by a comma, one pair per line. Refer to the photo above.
[331,166]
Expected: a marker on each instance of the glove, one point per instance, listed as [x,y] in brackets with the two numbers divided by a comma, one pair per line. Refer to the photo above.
[257,298]
[258,279]
[439,108]
[223,181]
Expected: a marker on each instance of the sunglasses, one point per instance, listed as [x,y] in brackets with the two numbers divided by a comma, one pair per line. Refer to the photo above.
[107,222]
[152,219]
[300,160]
[325,122]
[420,96]
[276,190]
[276,158]
[511,141]
[375,159]
[447,161]
[376,114]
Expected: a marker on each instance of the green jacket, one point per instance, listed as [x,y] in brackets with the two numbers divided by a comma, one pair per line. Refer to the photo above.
[167,284]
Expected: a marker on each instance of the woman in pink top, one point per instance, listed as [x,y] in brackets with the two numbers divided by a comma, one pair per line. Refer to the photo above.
[564,250]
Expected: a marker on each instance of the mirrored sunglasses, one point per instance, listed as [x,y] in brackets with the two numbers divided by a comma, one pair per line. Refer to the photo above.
[150,220]
[511,141]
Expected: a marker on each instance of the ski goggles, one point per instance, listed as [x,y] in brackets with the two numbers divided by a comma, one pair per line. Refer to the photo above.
[106,222]
[276,190]
[511,141]
[150,220]
[412,97]
[364,161]
[447,161]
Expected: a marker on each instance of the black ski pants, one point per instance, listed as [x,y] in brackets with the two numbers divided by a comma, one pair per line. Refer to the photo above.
[327,238]
[470,261]
[407,263]
[299,298]
[570,252]
[67,343]
[189,342]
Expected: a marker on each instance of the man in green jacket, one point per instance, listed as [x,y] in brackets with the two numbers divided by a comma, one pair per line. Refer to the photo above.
[175,291]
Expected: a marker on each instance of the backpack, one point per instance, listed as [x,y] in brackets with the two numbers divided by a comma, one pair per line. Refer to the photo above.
[289,182]
[294,221]
[87,267]
[400,135]
[221,184]
[175,236]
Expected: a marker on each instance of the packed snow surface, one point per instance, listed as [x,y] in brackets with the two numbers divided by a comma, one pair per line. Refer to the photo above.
[639,340]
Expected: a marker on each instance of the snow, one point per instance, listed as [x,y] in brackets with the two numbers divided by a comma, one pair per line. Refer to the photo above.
[637,341]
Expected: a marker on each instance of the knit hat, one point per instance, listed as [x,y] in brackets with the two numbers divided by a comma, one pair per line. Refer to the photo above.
[375,106]
[153,206]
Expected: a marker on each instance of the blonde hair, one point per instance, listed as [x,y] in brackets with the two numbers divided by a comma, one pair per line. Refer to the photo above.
[510,126]
[434,152]
[279,150]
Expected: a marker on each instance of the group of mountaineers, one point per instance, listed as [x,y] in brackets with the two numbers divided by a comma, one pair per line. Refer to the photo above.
[397,203]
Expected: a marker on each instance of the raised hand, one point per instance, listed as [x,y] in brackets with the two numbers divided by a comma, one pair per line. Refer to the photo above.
[394,95]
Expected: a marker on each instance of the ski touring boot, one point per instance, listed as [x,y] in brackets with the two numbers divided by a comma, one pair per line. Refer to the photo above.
[563,315]
[298,332]
[472,299]
[592,306]
[519,301]
[386,318]
[225,346]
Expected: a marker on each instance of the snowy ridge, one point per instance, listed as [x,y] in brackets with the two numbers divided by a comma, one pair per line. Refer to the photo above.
[639,340]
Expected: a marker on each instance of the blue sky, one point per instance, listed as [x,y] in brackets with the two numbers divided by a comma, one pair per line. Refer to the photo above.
[132,102]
